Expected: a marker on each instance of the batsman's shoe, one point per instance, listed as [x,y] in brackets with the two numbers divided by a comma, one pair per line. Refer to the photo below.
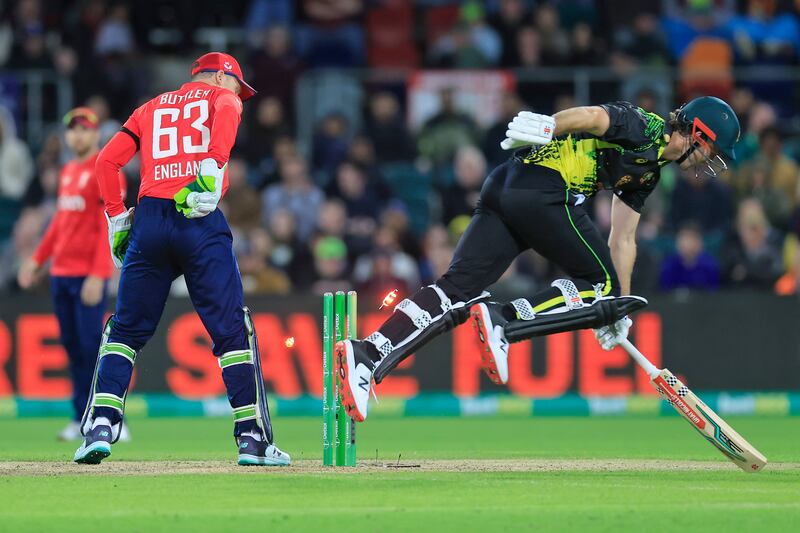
[96,446]
[254,452]
[354,367]
[489,323]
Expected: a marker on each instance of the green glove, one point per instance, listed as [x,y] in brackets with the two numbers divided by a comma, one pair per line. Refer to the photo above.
[200,185]
[119,235]
[201,197]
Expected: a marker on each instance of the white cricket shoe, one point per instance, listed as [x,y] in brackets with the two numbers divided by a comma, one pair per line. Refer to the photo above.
[354,368]
[489,323]
[255,452]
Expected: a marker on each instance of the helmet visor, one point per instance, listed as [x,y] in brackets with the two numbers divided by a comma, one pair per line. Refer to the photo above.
[710,162]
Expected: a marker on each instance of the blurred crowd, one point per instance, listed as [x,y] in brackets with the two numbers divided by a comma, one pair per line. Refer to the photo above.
[373,204]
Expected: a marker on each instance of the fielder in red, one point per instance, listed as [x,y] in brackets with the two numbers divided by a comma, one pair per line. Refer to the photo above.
[184,138]
[76,242]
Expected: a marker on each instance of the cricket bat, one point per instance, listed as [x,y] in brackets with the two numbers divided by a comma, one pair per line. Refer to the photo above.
[713,428]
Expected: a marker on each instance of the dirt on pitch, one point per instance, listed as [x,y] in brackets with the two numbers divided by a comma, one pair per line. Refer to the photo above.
[157,468]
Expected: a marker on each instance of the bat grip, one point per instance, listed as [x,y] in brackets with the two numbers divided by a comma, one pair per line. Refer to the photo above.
[651,369]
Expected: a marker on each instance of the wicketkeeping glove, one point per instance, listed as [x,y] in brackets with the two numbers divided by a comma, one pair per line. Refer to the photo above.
[119,235]
[528,129]
[609,336]
[201,196]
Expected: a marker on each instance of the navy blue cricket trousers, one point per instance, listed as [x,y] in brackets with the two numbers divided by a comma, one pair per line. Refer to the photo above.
[164,244]
[81,327]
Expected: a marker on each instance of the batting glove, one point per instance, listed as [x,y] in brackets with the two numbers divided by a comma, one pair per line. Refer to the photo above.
[119,235]
[610,336]
[200,197]
[528,129]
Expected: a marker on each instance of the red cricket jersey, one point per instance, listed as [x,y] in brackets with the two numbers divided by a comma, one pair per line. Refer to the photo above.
[173,132]
[77,238]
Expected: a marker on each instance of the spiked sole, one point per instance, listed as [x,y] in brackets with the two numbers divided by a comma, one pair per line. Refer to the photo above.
[254,460]
[92,455]
[348,401]
[488,362]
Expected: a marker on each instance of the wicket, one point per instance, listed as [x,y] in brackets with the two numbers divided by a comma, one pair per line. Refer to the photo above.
[339,322]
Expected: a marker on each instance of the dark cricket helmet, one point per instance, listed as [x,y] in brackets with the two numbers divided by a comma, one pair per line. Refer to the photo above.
[707,120]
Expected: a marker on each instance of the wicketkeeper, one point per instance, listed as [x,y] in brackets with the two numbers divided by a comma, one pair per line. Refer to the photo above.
[535,201]
[184,138]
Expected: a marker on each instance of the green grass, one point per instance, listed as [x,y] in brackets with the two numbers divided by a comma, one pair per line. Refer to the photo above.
[403,500]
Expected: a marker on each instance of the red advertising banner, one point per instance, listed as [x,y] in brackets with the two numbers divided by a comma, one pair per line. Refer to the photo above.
[178,359]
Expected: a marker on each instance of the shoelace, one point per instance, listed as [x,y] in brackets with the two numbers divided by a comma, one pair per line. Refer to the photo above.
[372,389]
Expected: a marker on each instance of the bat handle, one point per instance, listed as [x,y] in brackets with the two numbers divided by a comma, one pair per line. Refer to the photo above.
[651,369]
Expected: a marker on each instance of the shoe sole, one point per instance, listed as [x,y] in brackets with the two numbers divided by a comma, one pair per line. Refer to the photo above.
[488,362]
[254,460]
[95,453]
[346,394]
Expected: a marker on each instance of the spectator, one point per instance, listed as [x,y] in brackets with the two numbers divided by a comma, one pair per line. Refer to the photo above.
[510,18]
[586,50]
[446,131]
[330,261]
[689,267]
[361,200]
[333,38]
[381,280]
[772,177]
[554,40]
[763,36]
[752,259]
[396,218]
[241,204]
[330,146]
[31,52]
[275,68]
[387,129]
[108,126]
[435,247]
[470,44]
[115,35]
[644,42]
[461,197]
[288,253]
[267,125]
[25,236]
[510,105]
[760,116]
[529,47]
[362,154]
[268,172]
[296,194]
[702,199]
[403,265]
[258,275]
[332,219]
[16,165]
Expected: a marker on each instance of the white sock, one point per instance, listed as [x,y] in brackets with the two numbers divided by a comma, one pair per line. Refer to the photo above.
[101,421]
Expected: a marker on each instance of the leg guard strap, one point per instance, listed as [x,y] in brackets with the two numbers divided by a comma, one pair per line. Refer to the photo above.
[600,313]
[572,296]
[380,341]
[454,315]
